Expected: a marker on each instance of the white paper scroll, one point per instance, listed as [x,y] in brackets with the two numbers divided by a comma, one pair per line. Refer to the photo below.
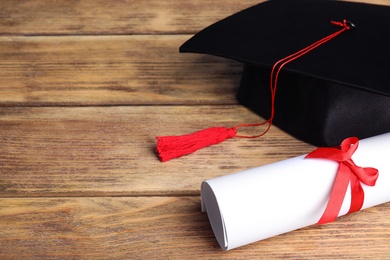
[277,198]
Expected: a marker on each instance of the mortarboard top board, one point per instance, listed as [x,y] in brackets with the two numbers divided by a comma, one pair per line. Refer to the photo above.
[339,89]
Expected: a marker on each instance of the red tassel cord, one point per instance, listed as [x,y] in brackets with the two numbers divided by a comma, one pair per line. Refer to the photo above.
[170,147]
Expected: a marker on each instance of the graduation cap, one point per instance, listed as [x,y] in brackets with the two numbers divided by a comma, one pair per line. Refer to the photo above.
[318,69]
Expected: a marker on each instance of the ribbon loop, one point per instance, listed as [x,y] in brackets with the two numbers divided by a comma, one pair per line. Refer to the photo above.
[348,173]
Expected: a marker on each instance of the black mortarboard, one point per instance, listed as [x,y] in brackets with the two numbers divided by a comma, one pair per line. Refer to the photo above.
[339,89]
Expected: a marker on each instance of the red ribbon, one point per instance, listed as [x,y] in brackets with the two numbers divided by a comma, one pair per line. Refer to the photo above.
[348,172]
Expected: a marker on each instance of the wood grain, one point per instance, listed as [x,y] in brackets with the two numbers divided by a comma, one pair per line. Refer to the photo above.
[95,151]
[88,17]
[85,86]
[169,228]
[102,70]
[48,17]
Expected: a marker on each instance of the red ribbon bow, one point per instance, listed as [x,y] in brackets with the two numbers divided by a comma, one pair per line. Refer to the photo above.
[348,172]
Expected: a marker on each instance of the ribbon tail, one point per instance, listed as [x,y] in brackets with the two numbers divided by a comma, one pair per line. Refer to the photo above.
[336,198]
[357,195]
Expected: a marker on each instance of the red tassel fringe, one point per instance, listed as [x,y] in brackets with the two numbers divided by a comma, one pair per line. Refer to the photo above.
[170,147]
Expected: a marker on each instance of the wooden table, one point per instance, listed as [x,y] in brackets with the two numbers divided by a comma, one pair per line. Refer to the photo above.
[85,86]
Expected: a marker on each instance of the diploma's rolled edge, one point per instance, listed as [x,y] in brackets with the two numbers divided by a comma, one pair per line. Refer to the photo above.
[210,205]
[202,202]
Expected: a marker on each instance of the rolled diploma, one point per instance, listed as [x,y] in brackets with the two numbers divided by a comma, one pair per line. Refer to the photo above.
[259,203]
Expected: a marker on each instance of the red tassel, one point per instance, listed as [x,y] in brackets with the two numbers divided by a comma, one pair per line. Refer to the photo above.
[170,147]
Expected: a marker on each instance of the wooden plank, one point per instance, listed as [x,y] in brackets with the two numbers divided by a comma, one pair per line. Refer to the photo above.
[169,228]
[98,151]
[48,17]
[33,17]
[120,70]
